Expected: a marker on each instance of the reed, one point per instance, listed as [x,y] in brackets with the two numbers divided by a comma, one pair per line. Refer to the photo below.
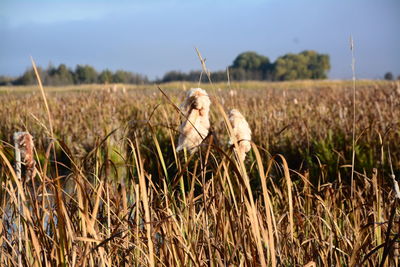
[111,190]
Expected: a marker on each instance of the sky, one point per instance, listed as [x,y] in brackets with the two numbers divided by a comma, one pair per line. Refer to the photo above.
[155,36]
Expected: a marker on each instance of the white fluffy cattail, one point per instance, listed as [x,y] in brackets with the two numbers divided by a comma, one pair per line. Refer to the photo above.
[241,133]
[195,126]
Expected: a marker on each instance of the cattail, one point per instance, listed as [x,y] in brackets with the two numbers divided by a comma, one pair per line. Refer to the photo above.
[24,142]
[241,133]
[196,124]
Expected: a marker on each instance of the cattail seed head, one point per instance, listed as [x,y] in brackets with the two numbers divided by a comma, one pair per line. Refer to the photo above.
[241,133]
[25,144]
[196,124]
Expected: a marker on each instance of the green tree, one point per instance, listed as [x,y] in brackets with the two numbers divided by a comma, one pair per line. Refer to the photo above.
[5,80]
[388,76]
[106,76]
[59,76]
[238,74]
[318,64]
[85,74]
[219,76]
[250,61]
[139,79]
[305,65]
[29,77]
[289,67]
[251,66]
[121,76]
[65,75]
[174,76]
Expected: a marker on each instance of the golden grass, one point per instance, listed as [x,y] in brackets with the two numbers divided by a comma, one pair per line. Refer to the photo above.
[111,190]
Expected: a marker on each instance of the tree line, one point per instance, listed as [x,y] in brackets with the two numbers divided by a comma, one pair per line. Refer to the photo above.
[252,66]
[83,74]
[246,66]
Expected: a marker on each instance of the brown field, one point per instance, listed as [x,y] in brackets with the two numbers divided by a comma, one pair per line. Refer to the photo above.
[110,189]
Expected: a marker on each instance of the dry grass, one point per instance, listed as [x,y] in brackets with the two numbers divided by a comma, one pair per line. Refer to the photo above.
[111,190]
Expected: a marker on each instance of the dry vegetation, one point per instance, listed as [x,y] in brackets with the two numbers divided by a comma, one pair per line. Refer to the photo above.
[111,190]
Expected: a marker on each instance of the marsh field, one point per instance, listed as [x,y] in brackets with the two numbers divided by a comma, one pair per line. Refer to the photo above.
[111,190]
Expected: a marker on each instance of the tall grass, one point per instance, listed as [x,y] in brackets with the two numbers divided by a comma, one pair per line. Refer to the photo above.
[111,190]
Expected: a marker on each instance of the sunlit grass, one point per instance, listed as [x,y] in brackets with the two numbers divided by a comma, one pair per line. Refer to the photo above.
[112,190]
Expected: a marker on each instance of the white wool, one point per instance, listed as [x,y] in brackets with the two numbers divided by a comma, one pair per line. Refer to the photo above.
[194,128]
[241,133]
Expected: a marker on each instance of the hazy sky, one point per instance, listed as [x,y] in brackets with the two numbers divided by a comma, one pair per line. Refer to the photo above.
[154,36]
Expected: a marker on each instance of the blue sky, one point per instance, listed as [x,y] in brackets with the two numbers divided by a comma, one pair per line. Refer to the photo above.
[152,37]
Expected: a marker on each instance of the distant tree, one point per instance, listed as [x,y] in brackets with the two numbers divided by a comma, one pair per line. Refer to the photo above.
[121,76]
[65,75]
[238,74]
[287,68]
[253,66]
[398,78]
[250,61]
[317,64]
[106,76]
[59,76]
[174,76]
[6,80]
[306,65]
[85,74]
[388,76]
[219,76]
[51,70]
[194,76]
[29,77]
[139,79]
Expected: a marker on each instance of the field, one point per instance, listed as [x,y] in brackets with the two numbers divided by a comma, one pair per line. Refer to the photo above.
[111,190]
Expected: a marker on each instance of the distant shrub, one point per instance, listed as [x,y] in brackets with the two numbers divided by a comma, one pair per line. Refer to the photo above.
[388,76]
